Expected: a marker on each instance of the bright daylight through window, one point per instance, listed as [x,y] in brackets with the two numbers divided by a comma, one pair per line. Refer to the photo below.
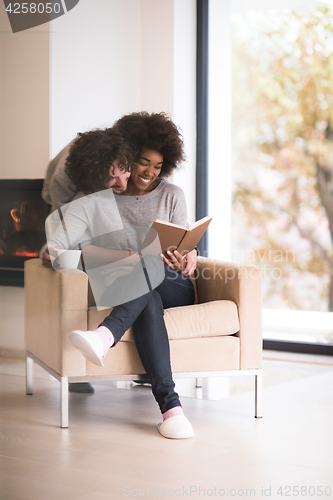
[283,164]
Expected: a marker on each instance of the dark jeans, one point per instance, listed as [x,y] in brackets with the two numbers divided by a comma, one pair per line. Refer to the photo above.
[146,314]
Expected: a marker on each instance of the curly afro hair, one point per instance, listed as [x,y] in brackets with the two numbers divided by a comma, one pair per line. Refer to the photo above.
[153,131]
[91,156]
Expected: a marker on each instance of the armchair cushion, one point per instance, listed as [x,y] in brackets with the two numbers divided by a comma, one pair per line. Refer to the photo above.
[200,320]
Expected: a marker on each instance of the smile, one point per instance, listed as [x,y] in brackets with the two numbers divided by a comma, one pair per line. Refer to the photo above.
[145,181]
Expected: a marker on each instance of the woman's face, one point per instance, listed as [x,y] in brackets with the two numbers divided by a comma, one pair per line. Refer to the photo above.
[147,170]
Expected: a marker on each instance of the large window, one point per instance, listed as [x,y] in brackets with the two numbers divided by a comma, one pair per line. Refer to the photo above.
[282,217]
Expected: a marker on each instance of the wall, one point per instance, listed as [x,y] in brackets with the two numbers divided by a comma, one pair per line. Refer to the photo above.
[184,94]
[95,67]
[157,41]
[101,60]
[168,75]
[24,139]
[24,101]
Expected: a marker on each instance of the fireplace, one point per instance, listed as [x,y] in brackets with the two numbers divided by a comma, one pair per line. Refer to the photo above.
[22,226]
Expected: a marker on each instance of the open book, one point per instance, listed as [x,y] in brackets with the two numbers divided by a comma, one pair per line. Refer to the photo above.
[174,237]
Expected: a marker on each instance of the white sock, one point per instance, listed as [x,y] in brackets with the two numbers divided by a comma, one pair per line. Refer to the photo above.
[106,337]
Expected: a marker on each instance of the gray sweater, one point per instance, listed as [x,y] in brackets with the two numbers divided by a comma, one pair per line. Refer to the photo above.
[116,222]
[92,219]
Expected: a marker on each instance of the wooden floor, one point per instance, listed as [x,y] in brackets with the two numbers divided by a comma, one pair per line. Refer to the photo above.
[112,448]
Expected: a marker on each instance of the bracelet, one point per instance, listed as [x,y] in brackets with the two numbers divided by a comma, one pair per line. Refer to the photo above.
[197,250]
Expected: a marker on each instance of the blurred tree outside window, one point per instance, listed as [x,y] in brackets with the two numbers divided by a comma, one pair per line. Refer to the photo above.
[283,153]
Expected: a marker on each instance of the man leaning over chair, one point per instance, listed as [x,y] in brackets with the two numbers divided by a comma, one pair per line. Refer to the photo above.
[113,161]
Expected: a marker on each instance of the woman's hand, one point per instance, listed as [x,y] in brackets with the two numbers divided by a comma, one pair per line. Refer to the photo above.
[191,265]
[185,265]
[174,260]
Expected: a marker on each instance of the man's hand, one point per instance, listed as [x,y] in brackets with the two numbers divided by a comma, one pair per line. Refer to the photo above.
[47,259]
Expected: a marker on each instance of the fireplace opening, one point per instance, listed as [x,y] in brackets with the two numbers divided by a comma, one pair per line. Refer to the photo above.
[22,226]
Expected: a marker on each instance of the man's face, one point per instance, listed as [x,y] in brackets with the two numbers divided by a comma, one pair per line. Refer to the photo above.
[118,178]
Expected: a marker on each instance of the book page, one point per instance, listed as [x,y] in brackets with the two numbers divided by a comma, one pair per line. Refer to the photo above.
[174,237]
[170,235]
[193,236]
[171,224]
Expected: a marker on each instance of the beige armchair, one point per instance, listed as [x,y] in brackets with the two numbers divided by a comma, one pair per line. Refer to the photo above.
[219,335]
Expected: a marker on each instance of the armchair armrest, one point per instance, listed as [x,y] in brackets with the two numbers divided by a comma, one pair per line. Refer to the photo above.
[55,303]
[218,280]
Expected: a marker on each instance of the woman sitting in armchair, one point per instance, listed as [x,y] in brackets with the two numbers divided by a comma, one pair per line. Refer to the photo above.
[111,229]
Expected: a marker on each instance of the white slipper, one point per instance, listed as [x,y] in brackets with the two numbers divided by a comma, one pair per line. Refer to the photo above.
[177,427]
[89,344]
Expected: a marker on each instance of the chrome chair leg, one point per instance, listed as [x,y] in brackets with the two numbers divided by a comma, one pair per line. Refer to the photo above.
[258,395]
[29,367]
[64,402]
